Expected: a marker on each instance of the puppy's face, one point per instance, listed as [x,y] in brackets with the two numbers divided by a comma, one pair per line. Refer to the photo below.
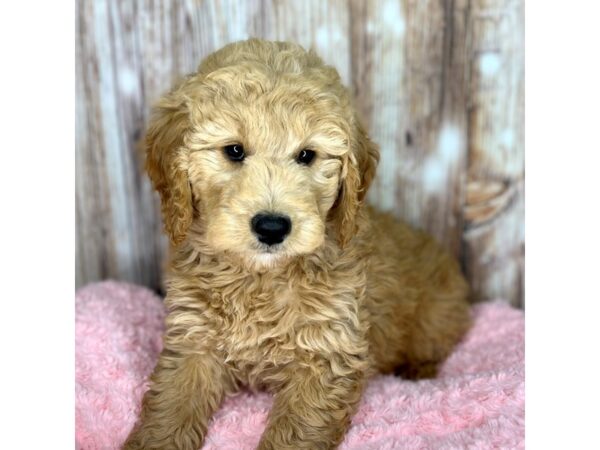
[265,170]
[254,159]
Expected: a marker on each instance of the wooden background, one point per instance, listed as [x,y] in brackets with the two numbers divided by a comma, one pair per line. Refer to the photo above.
[440,84]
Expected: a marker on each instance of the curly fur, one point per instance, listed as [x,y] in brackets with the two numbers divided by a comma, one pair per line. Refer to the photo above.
[348,293]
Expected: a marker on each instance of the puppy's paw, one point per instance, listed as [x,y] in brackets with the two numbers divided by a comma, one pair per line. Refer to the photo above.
[178,440]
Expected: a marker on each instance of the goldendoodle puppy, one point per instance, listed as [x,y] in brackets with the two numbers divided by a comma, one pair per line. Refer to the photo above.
[280,277]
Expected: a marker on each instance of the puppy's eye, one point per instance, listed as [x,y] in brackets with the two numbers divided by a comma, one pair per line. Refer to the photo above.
[305,156]
[235,152]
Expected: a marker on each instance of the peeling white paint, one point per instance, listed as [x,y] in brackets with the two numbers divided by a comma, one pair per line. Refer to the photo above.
[392,17]
[449,143]
[438,165]
[489,64]
[322,37]
[128,81]
[507,138]
[435,175]
[328,36]
[337,35]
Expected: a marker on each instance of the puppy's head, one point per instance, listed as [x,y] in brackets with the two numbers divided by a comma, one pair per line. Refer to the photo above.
[260,154]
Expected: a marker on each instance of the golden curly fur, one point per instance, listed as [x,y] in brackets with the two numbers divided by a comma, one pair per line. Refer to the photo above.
[348,293]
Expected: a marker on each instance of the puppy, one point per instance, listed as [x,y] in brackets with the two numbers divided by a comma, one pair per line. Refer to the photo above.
[280,277]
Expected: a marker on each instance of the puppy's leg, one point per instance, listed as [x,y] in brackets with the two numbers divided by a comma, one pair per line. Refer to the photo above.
[314,409]
[441,322]
[185,391]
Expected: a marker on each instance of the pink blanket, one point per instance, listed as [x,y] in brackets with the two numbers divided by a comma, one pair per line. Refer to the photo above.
[477,401]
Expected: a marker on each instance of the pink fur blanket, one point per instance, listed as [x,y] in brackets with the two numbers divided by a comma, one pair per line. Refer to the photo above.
[476,402]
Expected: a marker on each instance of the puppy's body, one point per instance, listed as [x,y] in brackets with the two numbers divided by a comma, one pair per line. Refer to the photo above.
[347,293]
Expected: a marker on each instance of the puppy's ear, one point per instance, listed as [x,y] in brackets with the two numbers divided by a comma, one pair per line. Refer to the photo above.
[357,174]
[166,163]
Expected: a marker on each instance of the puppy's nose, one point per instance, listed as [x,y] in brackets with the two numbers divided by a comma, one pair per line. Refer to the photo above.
[271,228]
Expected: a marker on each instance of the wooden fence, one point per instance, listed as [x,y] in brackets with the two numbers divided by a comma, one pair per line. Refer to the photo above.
[440,84]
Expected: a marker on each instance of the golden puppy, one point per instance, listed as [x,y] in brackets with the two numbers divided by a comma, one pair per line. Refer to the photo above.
[280,278]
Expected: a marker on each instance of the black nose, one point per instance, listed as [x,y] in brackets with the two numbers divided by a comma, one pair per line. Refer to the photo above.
[271,228]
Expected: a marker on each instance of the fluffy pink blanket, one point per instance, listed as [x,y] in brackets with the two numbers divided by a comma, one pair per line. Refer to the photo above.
[476,402]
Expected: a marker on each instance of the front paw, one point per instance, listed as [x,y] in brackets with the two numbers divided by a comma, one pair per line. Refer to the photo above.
[298,435]
[163,438]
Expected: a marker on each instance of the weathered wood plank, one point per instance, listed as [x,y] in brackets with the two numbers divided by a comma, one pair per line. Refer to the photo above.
[410,84]
[118,229]
[94,227]
[494,210]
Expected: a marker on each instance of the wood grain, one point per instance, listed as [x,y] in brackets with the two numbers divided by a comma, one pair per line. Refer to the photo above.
[439,83]
[494,210]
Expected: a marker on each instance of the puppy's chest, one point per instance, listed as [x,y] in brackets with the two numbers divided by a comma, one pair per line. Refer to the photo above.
[263,330]
[260,330]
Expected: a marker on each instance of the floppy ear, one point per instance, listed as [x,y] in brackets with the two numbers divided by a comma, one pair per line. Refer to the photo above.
[167,167]
[357,174]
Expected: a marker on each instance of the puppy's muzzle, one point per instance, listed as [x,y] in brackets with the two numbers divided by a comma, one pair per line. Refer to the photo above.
[271,229]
